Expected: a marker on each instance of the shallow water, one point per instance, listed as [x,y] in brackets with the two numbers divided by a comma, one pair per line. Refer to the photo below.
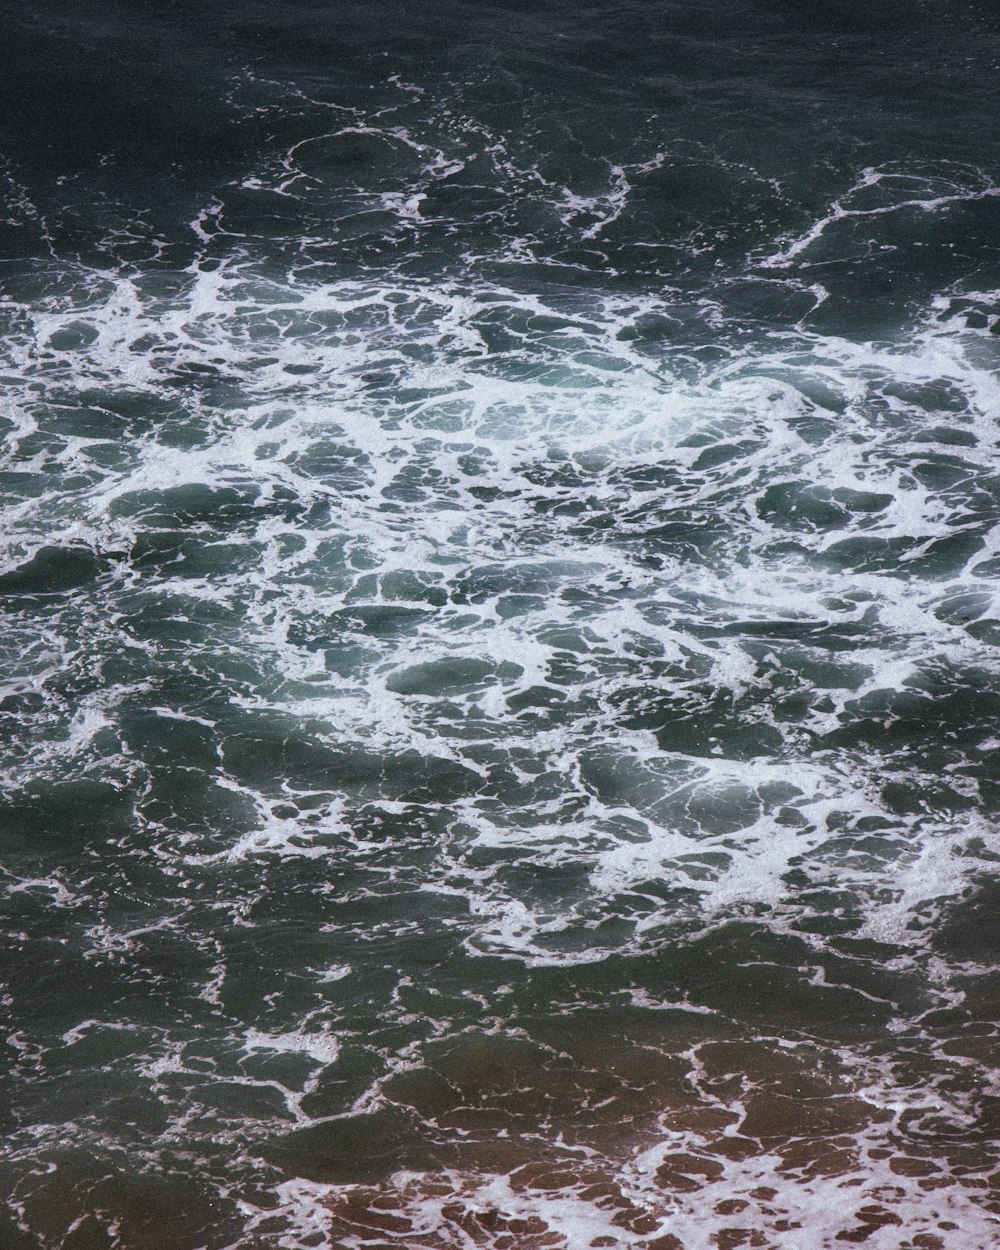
[499,574]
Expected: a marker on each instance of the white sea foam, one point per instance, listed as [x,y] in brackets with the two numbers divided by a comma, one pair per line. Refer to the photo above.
[886,190]
[320,1046]
[452,566]
[475,425]
[575,1202]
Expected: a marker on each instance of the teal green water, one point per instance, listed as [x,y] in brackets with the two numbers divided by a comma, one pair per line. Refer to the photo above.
[500,618]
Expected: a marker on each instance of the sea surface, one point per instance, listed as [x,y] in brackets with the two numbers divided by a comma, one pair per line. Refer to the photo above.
[500,591]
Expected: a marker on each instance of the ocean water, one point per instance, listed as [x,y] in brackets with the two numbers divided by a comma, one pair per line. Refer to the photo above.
[500,695]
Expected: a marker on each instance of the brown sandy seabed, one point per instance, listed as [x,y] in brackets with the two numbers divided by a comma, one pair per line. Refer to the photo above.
[756,1144]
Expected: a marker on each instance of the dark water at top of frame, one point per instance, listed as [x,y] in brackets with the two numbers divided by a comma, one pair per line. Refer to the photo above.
[499,694]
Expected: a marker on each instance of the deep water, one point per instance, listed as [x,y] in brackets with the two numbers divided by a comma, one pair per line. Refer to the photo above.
[500,697]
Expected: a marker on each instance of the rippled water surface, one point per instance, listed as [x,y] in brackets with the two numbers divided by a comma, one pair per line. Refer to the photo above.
[500,693]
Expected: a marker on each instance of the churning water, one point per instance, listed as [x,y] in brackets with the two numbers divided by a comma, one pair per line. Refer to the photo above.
[499,579]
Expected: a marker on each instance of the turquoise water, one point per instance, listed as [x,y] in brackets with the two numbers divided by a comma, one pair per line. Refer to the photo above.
[499,577]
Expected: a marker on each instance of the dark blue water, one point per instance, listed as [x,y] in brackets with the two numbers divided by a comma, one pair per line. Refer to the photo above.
[500,621]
